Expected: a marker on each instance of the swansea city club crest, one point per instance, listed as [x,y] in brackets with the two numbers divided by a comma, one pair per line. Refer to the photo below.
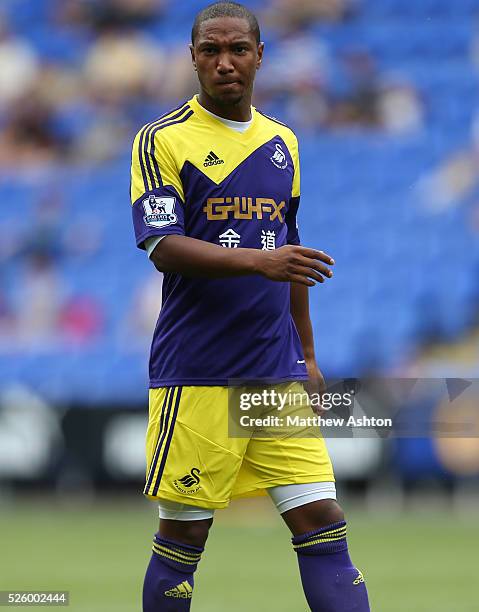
[189,483]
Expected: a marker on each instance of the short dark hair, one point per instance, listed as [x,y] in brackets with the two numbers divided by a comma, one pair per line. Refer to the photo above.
[226,9]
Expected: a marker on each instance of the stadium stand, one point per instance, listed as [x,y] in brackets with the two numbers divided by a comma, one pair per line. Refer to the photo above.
[388,187]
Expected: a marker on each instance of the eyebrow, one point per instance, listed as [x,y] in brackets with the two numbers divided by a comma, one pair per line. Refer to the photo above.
[244,42]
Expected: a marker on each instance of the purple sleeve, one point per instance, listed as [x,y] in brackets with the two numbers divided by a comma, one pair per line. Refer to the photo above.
[291,222]
[159,212]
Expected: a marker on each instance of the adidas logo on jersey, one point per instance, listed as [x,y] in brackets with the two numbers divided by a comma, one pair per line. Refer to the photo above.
[212,160]
[181,591]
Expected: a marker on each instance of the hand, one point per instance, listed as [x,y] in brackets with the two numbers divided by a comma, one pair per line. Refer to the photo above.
[315,383]
[295,264]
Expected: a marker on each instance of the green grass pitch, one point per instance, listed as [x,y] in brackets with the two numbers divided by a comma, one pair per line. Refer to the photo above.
[423,562]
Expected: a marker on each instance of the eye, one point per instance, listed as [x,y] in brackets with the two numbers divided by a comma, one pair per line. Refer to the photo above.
[241,49]
[209,50]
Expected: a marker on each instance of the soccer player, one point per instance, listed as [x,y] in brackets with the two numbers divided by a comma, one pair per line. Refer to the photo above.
[215,192]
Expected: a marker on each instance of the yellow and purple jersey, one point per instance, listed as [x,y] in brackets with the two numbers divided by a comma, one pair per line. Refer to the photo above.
[194,176]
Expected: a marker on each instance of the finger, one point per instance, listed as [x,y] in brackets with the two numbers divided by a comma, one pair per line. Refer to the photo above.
[302,280]
[314,254]
[308,272]
[311,270]
[315,265]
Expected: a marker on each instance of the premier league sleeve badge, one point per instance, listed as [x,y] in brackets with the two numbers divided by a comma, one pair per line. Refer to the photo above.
[159,211]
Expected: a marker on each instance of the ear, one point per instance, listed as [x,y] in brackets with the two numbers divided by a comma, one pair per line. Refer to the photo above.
[193,58]
[260,55]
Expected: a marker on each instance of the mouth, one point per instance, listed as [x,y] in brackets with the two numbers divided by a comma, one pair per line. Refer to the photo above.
[228,83]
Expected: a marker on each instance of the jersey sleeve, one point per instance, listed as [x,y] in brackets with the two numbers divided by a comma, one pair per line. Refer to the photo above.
[291,216]
[156,190]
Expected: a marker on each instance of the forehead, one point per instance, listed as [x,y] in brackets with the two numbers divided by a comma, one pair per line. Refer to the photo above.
[224,29]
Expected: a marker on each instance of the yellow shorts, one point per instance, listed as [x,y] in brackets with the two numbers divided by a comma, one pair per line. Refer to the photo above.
[191,458]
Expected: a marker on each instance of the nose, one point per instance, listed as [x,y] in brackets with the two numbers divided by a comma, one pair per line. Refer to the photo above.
[224,65]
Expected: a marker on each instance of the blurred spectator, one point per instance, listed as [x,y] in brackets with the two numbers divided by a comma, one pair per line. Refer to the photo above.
[180,81]
[298,59]
[309,108]
[10,240]
[356,102]
[449,183]
[47,315]
[143,313]
[59,85]
[45,233]
[288,15]
[297,75]
[84,237]
[52,232]
[121,66]
[39,301]
[42,312]
[104,135]
[80,320]
[7,322]
[123,72]
[400,109]
[370,98]
[29,136]
[319,90]
[49,230]
[19,66]
[457,176]
[110,14]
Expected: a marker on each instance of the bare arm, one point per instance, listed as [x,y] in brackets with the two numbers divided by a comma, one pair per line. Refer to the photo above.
[198,258]
[300,313]
[302,320]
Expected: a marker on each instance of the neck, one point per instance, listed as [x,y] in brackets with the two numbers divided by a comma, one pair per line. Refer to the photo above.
[234,112]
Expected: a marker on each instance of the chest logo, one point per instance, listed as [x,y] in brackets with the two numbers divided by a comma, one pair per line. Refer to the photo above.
[159,212]
[279,158]
[212,160]
[221,209]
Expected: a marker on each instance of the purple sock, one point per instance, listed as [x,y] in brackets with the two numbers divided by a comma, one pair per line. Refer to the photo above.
[331,583]
[168,585]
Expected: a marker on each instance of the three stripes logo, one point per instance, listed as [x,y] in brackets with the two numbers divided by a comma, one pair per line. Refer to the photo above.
[183,590]
[212,160]
[169,412]
[190,483]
